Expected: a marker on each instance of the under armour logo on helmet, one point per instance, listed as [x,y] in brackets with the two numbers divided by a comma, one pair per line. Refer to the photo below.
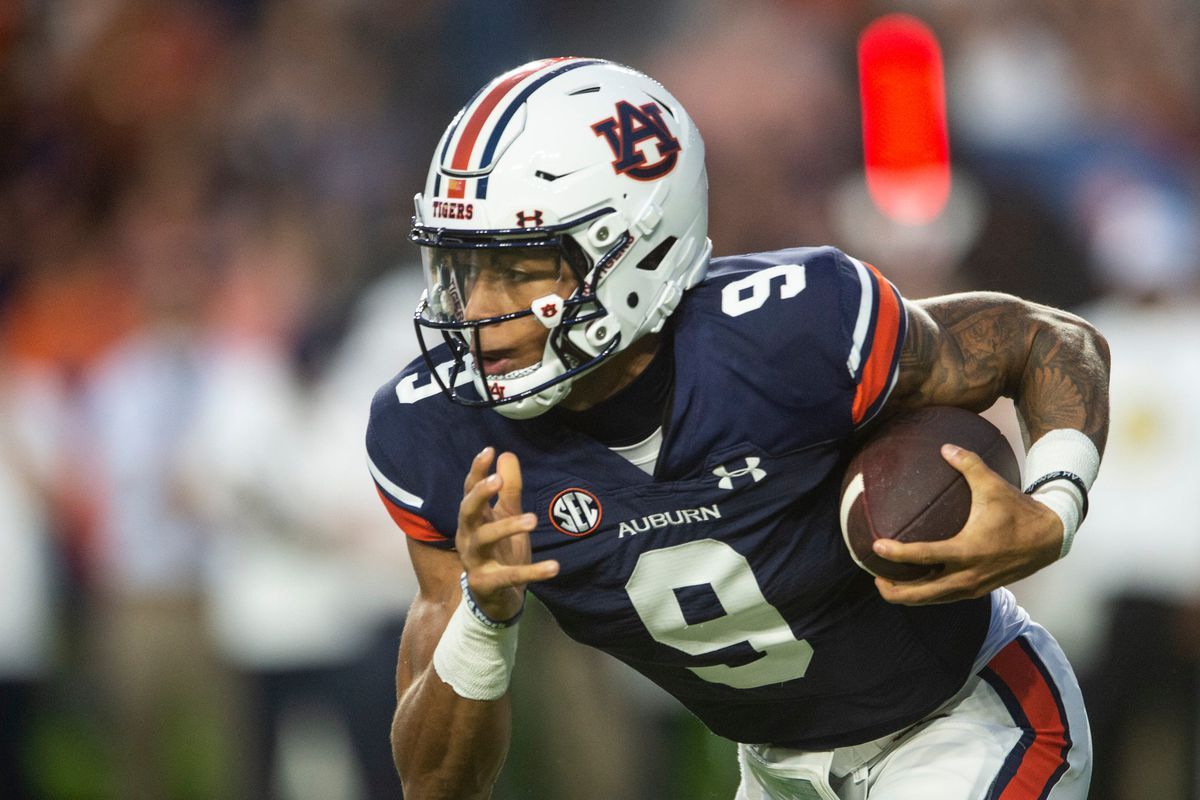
[496,390]
[524,219]
[727,475]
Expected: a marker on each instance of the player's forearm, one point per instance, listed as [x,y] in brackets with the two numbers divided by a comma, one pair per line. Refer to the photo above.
[446,746]
[1064,383]
[970,349]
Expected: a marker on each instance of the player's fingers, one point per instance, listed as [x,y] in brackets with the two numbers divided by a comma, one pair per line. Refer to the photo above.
[493,577]
[476,502]
[944,552]
[903,594]
[492,532]
[946,588]
[978,474]
[479,468]
[508,467]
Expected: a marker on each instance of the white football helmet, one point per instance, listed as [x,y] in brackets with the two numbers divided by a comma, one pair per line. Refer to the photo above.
[584,157]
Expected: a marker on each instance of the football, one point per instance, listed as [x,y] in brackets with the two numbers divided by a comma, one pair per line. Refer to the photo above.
[898,486]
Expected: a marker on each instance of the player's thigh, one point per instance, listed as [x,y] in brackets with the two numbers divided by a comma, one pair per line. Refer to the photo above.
[1021,731]
[949,761]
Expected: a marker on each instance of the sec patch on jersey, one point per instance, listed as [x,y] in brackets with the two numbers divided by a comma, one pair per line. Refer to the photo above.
[899,487]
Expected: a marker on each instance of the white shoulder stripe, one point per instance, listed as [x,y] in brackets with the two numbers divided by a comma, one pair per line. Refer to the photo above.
[865,306]
[406,497]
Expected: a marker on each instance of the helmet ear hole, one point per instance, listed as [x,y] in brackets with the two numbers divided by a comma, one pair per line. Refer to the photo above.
[577,258]
[655,256]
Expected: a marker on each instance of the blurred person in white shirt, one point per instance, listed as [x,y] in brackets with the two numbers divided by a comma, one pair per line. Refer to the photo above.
[308,583]
[166,694]
[31,426]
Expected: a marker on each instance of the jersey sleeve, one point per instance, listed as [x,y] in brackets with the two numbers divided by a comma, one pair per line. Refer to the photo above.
[875,316]
[386,442]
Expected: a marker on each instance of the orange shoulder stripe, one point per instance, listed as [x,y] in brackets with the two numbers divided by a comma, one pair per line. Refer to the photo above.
[414,526]
[877,373]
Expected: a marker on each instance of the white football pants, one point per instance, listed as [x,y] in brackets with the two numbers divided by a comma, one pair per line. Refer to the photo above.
[1017,731]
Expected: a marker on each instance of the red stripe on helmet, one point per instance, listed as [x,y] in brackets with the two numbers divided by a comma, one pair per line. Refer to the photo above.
[470,134]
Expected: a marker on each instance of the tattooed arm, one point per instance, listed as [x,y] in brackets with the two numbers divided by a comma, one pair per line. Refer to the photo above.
[968,350]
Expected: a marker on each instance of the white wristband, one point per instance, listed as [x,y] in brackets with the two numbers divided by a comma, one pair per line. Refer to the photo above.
[1060,468]
[1064,501]
[474,659]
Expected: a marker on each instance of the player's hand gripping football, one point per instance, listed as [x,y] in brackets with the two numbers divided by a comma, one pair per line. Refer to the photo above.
[493,539]
[1007,536]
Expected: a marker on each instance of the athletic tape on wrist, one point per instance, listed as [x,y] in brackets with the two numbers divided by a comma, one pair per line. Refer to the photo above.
[476,660]
[1060,469]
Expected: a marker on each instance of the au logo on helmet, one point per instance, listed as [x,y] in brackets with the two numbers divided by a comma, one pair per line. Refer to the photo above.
[632,125]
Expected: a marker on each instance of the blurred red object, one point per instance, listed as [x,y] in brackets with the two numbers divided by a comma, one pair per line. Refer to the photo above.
[905,144]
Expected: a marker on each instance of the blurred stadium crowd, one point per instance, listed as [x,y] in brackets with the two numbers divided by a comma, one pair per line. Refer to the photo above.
[204,276]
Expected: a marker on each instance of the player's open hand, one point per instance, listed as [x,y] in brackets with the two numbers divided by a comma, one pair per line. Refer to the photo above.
[1007,536]
[493,537]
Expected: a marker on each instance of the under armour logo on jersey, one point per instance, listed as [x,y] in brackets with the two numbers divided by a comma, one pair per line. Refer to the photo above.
[727,475]
[632,125]
[575,512]
[525,218]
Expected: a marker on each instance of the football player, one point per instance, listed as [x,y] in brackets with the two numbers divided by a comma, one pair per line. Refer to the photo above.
[653,443]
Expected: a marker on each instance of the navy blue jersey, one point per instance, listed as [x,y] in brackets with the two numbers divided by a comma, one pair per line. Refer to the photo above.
[723,576]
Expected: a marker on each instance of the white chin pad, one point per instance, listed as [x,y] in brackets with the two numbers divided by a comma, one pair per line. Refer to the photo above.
[548,310]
